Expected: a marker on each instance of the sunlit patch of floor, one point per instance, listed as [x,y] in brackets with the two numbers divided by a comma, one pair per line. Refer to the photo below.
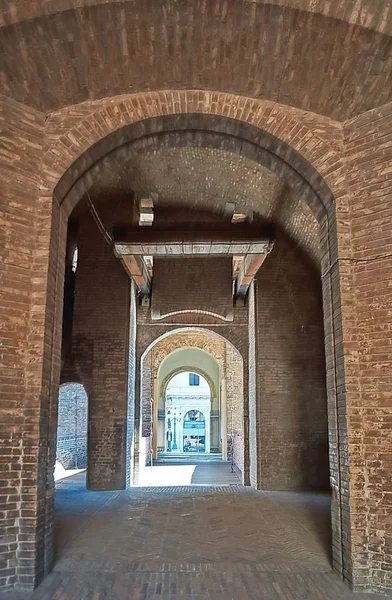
[166,475]
[60,473]
[191,473]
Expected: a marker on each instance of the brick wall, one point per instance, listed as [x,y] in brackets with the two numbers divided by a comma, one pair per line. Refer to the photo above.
[291,389]
[158,33]
[131,397]
[368,338]
[238,454]
[198,284]
[362,12]
[149,371]
[235,406]
[72,427]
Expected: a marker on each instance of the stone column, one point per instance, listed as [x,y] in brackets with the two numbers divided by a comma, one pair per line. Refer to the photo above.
[253,394]
[224,419]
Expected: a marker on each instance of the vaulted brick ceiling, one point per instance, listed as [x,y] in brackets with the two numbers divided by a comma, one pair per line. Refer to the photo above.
[208,179]
[303,59]
[367,13]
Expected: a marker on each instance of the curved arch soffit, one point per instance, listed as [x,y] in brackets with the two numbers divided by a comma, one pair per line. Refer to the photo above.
[210,130]
[189,329]
[185,348]
[362,14]
[61,385]
[192,368]
[80,386]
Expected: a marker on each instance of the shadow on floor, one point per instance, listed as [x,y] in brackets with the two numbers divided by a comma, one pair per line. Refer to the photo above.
[200,542]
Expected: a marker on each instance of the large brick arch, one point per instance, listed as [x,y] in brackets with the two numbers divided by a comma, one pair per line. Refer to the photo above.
[204,338]
[107,126]
[219,346]
[157,349]
[312,160]
[293,147]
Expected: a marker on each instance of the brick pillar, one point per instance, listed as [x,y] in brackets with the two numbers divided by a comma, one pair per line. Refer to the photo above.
[367,344]
[137,431]
[101,353]
[32,248]
[292,412]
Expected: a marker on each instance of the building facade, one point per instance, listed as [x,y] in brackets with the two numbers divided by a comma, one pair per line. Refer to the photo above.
[188,414]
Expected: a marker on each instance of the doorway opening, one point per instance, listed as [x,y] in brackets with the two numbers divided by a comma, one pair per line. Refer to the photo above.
[187,415]
[194,436]
[71,448]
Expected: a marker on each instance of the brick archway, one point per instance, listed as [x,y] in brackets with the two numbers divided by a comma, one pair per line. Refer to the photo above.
[74,153]
[231,361]
[197,343]
[269,129]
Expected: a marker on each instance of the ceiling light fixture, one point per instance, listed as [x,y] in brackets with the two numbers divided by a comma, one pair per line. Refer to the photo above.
[146,211]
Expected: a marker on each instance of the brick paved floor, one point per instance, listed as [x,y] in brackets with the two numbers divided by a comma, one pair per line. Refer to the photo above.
[191,543]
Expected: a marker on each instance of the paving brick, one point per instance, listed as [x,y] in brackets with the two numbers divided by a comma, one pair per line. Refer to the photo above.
[191,543]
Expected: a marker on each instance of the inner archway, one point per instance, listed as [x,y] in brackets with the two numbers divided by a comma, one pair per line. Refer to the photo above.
[170,368]
[187,415]
[195,435]
[192,377]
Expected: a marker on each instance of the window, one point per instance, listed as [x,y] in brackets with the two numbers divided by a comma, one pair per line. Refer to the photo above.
[194,379]
[75,260]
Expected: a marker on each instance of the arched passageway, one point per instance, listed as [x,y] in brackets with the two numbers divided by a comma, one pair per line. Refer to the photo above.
[269,451]
[114,362]
[180,356]
[194,435]
[325,181]
[187,406]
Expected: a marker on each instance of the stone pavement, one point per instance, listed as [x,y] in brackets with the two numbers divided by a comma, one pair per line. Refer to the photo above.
[169,472]
[191,543]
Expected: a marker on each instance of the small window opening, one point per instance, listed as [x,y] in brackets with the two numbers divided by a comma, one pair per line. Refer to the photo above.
[194,379]
[75,261]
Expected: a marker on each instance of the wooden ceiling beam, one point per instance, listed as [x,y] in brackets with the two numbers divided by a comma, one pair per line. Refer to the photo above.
[137,270]
[192,233]
[197,248]
[249,268]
